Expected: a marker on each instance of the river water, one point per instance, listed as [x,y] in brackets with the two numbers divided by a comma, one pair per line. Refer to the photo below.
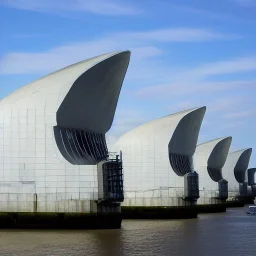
[231,233]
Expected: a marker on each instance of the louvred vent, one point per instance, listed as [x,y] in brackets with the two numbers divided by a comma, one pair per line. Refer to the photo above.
[81,147]
[181,164]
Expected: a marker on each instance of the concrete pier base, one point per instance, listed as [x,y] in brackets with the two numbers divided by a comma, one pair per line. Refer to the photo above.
[158,212]
[249,200]
[26,220]
[48,212]
[211,208]
[231,204]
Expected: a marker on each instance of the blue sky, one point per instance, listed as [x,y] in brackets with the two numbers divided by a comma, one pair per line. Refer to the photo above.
[184,54]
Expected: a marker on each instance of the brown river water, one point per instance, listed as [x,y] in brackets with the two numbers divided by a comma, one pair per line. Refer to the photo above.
[231,233]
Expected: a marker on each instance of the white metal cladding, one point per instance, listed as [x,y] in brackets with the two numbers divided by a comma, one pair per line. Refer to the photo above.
[251,176]
[152,150]
[30,161]
[209,158]
[235,168]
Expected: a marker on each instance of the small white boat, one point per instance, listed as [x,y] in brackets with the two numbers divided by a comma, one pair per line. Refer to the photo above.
[251,210]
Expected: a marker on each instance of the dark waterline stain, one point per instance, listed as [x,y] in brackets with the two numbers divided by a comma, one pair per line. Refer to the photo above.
[222,234]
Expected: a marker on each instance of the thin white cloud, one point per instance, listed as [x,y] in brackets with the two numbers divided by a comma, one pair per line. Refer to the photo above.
[38,62]
[200,79]
[202,12]
[232,126]
[180,88]
[101,7]
[241,114]
[25,4]
[104,7]
[180,106]
[227,103]
[232,110]
[25,36]
[233,66]
[245,3]
[179,35]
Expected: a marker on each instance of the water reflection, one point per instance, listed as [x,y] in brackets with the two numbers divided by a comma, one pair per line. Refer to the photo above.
[231,233]
[108,242]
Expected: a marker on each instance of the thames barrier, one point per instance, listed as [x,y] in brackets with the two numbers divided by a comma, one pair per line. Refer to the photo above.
[56,170]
